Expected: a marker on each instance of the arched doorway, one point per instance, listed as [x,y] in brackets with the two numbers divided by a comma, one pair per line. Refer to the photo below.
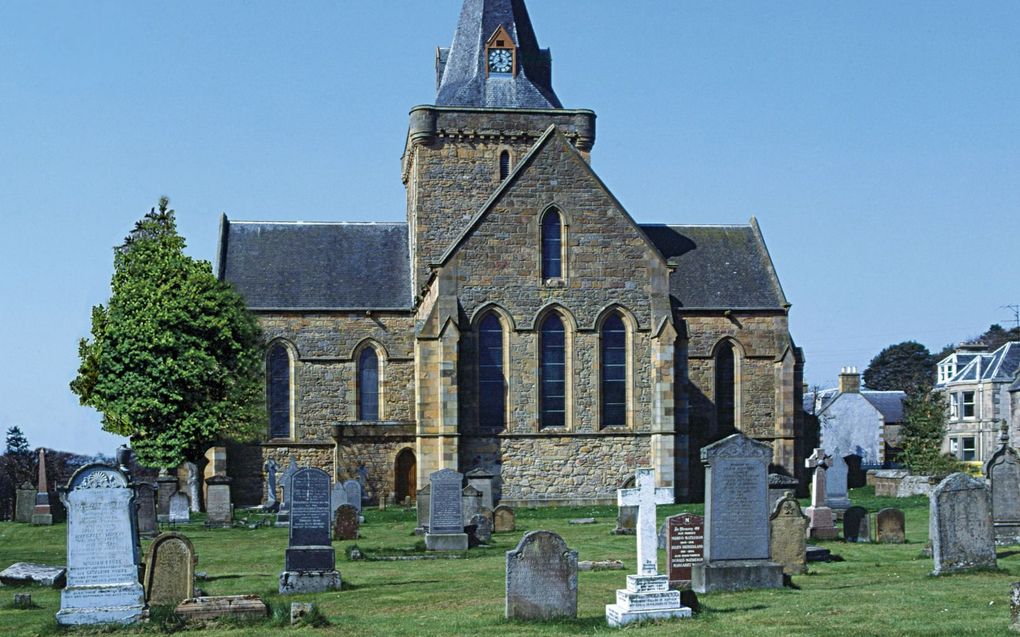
[405,479]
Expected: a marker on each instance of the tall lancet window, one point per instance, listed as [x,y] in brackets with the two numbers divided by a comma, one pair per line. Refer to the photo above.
[368,385]
[504,165]
[553,373]
[614,371]
[491,377]
[725,388]
[552,245]
[278,391]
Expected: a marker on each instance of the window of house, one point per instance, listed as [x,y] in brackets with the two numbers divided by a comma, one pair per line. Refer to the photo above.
[954,406]
[368,385]
[278,391]
[491,377]
[969,449]
[614,371]
[725,388]
[552,245]
[552,373]
[504,165]
[968,404]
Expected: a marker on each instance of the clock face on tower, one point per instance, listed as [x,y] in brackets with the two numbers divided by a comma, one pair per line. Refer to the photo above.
[501,61]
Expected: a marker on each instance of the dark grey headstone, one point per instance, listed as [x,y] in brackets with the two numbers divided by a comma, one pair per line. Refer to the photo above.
[310,508]
[472,502]
[25,502]
[145,507]
[736,509]
[836,495]
[218,506]
[889,527]
[422,507]
[960,525]
[446,502]
[626,520]
[1003,473]
[856,525]
[541,578]
[479,529]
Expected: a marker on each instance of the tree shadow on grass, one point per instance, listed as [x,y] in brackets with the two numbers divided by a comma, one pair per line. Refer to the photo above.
[742,609]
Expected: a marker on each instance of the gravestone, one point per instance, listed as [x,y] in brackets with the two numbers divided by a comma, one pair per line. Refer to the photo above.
[170,570]
[270,468]
[647,596]
[41,514]
[166,486]
[31,574]
[145,509]
[482,480]
[736,518]
[209,609]
[422,510]
[541,578]
[446,512]
[960,525]
[685,547]
[472,502]
[504,520]
[345,523]
[25,502]
[218,507]
[479,530]
[180,509]
[283,515]
[310,560]
[1003,473]
[215,465]
[353,489]
[889,527]
[822,522]
[191,484]
[788,535]
[856,525]
[836,496]
[779,484]
[337,497]
[102,562]
[626,520]
[1014,607]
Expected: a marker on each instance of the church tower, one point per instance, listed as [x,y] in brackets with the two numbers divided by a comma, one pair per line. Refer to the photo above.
[494,100]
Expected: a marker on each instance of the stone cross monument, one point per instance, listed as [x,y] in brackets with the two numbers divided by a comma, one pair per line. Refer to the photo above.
[822,524]
[647,595]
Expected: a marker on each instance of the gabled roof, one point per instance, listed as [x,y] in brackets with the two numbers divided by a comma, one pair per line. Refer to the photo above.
[1000,366]
[718,267]
[323,266]
[888,403]
[463,78]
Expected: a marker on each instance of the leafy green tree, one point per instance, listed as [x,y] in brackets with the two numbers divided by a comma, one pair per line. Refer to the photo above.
[174,361]
[907,366]
[923,433]
[17,444]
[996,336]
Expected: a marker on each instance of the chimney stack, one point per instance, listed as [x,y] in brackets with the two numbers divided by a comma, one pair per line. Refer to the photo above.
[849,381]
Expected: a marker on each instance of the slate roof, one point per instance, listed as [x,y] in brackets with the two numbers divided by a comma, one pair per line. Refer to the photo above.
[718,267]
[461,70]
[298,265]
[888,403]
[1000,366]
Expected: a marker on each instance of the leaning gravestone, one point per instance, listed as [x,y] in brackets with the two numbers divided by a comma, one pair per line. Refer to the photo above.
[170,570]
[310,559]
[788,535]
[685,547]
[25,502]
[345,523]
[647,596]
[503,519]
[472,502]
[446,515]
[960,525]
[856,525]
[836,495]
[422,510]
[180,509]
[1003,473]
[737,547]
[889,527]
[145,509]
[541,578]
[353,489]
[102,563]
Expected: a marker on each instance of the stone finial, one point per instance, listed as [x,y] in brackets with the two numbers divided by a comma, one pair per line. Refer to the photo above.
[1004,432]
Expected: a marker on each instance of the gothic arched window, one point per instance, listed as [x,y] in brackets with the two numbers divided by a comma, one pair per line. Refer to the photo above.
[553,373]
[368,384]
[725,388]
[278,390]
[491,377]
[614,371]
[552,245]
[504,165]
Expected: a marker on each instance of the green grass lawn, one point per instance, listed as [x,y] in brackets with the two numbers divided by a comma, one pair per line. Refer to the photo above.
[877,590]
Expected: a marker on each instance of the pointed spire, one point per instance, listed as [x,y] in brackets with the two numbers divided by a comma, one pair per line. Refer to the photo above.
[462,71]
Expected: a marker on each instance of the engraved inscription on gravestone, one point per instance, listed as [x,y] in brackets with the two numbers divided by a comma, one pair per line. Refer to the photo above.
[739,511]
[310,508]
[445,510]
[541,578]
[685,547]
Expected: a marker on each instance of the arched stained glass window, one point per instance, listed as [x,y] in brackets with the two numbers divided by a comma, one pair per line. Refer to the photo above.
[553,373]
[278,391]
[491,377]
[552,245]
[725,388]
[614,371]
[368,385]
[504,165]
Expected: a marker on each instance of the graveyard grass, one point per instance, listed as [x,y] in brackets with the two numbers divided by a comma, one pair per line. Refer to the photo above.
[877,590]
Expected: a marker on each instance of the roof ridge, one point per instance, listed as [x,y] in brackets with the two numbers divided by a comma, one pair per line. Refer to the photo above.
[319,223]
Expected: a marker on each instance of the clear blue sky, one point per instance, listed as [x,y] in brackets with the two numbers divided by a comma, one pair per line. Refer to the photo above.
[878,144]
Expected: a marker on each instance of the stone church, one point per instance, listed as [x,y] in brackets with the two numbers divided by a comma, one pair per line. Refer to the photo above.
[520,322]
